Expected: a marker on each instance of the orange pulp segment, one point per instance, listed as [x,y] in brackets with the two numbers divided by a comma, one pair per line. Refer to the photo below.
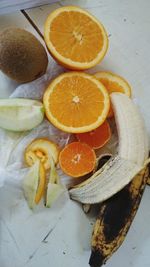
[96,138]
[113,83]
[77,159]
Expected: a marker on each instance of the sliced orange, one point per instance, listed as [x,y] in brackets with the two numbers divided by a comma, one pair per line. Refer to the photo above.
[77,159]
[76,102]
[113,83]
[96,138]
[75,38]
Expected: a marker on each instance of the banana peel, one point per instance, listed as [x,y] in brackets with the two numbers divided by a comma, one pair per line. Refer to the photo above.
[115,218]
[148,181]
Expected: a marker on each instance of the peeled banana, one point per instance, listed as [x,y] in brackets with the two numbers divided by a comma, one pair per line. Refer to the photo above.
[132,154]
[115,218]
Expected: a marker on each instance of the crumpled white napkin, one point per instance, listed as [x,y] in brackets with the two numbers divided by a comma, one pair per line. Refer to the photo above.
[29,228]
[12,145]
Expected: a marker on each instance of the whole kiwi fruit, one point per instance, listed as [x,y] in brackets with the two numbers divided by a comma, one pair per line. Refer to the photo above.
[22,57]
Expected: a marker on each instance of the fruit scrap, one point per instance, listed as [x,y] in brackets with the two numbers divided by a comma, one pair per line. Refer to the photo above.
[132,154]
[54,187]
[115,218]
[41,184]
[42,155]
[20,114]
[96,138]
[77,159]
[113,83]
[76,102]
[42,149]
[82,41]
[34,184]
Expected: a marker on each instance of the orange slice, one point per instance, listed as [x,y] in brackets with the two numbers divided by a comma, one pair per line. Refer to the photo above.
[96,138]
[113,83]
[75,38]
[76,102]
[77,159]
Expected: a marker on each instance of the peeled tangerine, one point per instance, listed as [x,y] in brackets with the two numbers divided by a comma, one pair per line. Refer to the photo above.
[19,114]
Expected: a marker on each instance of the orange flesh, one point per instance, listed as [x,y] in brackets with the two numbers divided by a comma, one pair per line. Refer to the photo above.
[76,36]
[77,159]
[111,87]
[76,102]
[96,138]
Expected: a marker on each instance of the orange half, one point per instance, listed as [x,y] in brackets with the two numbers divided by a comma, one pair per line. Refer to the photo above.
[113,83]
[76,102]
[75,38]
[77,159]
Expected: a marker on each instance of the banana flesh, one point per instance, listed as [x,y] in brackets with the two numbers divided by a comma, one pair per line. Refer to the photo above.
[115,218]
[132,154]
[133,140]
[100,189]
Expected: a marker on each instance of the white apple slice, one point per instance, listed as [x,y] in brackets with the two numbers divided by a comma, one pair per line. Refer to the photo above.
[54,188]
[30,184]
[19,114]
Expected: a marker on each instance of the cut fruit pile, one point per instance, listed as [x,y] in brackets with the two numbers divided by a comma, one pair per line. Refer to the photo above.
[121,169]
[81,104]
[85,106]
[42,155]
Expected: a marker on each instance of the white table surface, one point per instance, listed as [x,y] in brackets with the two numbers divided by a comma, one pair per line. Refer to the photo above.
[68,241]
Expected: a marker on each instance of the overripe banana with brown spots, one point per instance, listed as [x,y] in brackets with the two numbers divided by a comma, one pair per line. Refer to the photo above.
[115,218]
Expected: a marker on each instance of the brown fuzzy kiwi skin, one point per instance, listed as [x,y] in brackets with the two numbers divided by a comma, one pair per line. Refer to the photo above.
[22,57]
